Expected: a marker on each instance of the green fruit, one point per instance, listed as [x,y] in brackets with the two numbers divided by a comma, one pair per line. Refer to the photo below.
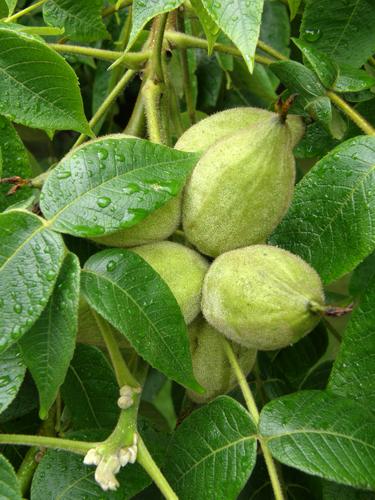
[262,297]
[240,188]
[88,329]
[203,134]
[159,225]
[183,270]
[210,364]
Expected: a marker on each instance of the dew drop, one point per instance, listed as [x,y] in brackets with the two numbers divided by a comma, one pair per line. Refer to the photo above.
[102,153]
[103,201]
[111,266]
[64,174]
[50,275]
[312,34]
[17,308]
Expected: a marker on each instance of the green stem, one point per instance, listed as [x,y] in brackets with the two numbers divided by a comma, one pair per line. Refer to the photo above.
[145,459]
[123,375]
[152,94]
[23,12]
[123,433]
[186,77]
[136,123]
[133,59]
[107,103]
[42,30]
[181,40]
[79,447]
[271,51]
[333,330]
[156,57]
[252,407]
[358,119]
[111,9]
[27,469]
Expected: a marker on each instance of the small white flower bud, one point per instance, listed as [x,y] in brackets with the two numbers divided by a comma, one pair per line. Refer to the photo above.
[124,456]
[125,402]
[92,457]
[132,454]
[105,472]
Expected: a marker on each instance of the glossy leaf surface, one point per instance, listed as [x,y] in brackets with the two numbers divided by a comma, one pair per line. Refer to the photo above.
[111,184]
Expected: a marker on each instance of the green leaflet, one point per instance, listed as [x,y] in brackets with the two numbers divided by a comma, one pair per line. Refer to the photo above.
[213,452]
[240,20]
[111,184]
[9,486]
[30,259]
[322,434]
[132,297]
[330,222]
[90,390]
[343,30]
[145,10]
[47,96]
[48,346]
[12,372]
[81,19]
[353,373]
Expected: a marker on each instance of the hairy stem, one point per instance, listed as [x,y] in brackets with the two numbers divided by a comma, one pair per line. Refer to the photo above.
[181,40]
[79,447]
[123,375]
[145,459]
[111,9]
[252,407]
[23,12]
[133,59]
[136,123]
[107,103]
[358,119]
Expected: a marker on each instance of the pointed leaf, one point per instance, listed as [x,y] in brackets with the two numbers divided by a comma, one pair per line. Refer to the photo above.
[9,485]
[353,80]
[30,259]
[210,28]
[15,161]
[45,96]
[82,20]
[322,434]
[90,390]
[131,296]
[330,223]
[213,452]
[112,183]
[144,11]
[12,373]
[324,67]
[353,373]
[48,347]
[345,31]
[293,7]
[240,20]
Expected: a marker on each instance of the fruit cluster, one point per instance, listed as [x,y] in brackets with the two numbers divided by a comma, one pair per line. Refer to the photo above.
[258,296]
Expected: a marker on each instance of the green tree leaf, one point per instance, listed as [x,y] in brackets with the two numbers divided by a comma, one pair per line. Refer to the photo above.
[298,79]
[284,371]
[15,161]
[12,373]
[48,347]
[240,20]
[324,67]
[30,259]
[275,26]
[362,276]
[90,390]
[353,80]
[293,7]
[82,20]
[11,5]
[211,29]
[112,183]
[330,222]
[9,486]
[45,96]
[324,435]
[132,297]
[334,491]
[144,11]
[353,373]
[345,31]
[213,452]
